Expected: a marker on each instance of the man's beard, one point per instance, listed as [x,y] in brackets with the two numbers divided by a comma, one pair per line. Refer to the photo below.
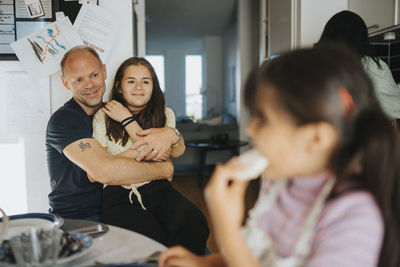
[86,104]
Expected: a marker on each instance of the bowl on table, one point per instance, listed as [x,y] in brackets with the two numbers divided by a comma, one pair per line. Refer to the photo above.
[36,237]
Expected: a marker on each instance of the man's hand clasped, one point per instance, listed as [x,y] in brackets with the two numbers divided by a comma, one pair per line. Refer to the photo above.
[155,144]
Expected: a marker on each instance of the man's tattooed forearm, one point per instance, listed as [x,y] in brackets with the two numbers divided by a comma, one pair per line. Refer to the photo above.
[84,146]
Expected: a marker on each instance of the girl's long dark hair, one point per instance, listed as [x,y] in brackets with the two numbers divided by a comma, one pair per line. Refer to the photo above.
[152,116]
[307,83]
[349,29]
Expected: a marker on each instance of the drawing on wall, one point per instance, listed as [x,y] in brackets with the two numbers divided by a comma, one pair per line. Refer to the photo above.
[48,43]
[40,53]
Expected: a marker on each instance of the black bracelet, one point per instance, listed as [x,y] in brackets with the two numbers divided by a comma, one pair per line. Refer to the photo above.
[128,122]
[125,120]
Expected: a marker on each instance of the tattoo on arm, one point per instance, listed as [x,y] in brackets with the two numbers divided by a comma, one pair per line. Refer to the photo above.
[84,146]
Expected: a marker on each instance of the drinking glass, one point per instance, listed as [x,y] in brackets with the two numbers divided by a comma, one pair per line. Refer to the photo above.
[37,247]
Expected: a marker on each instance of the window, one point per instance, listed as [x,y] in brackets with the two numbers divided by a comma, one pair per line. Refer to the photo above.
[193,85]
[157,61]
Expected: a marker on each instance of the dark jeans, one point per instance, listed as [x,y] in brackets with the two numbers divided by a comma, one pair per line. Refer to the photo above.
[170,218]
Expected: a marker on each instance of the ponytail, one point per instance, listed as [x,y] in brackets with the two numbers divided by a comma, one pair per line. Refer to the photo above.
[371,158]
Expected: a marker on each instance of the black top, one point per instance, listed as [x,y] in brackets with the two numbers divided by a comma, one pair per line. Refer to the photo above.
[72,194]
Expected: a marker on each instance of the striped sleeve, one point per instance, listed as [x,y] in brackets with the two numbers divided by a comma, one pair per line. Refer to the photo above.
[170,118]
[349,233]
[99,128]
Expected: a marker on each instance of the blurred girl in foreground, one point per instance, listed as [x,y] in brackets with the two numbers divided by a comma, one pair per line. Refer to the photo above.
[330,196]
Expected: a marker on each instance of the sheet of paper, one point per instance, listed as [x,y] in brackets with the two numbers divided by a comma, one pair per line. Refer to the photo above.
[34,8]
[21,10]
[25,28]
[6,9]
[40,53]
[27,103]
[97,26]
[6,2]
[6,19]
[7,36]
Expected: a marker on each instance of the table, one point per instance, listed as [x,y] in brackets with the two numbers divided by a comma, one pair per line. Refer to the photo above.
[205,145]
[117,245]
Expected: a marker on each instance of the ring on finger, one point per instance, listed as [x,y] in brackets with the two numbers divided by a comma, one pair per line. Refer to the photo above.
[154,151]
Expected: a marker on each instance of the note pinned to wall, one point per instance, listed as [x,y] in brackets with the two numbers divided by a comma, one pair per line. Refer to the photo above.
[40,53]
[22,8]
[27,104]
[34,8]
[98,27]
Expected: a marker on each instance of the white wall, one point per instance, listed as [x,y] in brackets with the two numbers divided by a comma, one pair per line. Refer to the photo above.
[279,26]
[314,14]
[24,182]
[380,13]
[35,179]
[248,54]
[13,190]
[230,60]
[213,76]
[140,10]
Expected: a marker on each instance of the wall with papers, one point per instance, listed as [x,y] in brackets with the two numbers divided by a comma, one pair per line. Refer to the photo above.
[17,21]
[26,104]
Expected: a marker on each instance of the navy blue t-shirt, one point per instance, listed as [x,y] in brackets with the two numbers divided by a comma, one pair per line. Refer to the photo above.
[72,194]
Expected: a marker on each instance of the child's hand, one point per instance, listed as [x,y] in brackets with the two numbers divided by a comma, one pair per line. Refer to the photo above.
[225,199]
[116,111]
[180,257]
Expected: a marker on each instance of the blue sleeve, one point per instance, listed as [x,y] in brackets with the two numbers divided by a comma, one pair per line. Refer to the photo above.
[66,127]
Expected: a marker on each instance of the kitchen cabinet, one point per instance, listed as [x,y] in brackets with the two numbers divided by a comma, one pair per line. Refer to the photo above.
[294,23]
[377,14]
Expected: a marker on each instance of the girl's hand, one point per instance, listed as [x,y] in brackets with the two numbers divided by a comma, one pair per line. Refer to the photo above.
[180,257]
[225,200]
[116,111]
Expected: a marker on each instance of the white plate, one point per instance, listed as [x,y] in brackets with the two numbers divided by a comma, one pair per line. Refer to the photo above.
[23,222]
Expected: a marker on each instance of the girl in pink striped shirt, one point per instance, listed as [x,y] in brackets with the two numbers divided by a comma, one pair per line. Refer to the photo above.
[331,193]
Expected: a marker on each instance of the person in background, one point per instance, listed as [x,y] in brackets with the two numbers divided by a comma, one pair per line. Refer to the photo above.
[72,152]
[331,193]
[349,29]
[152,208]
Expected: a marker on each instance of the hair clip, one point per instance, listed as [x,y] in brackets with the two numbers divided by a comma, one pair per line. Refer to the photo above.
[346,101]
